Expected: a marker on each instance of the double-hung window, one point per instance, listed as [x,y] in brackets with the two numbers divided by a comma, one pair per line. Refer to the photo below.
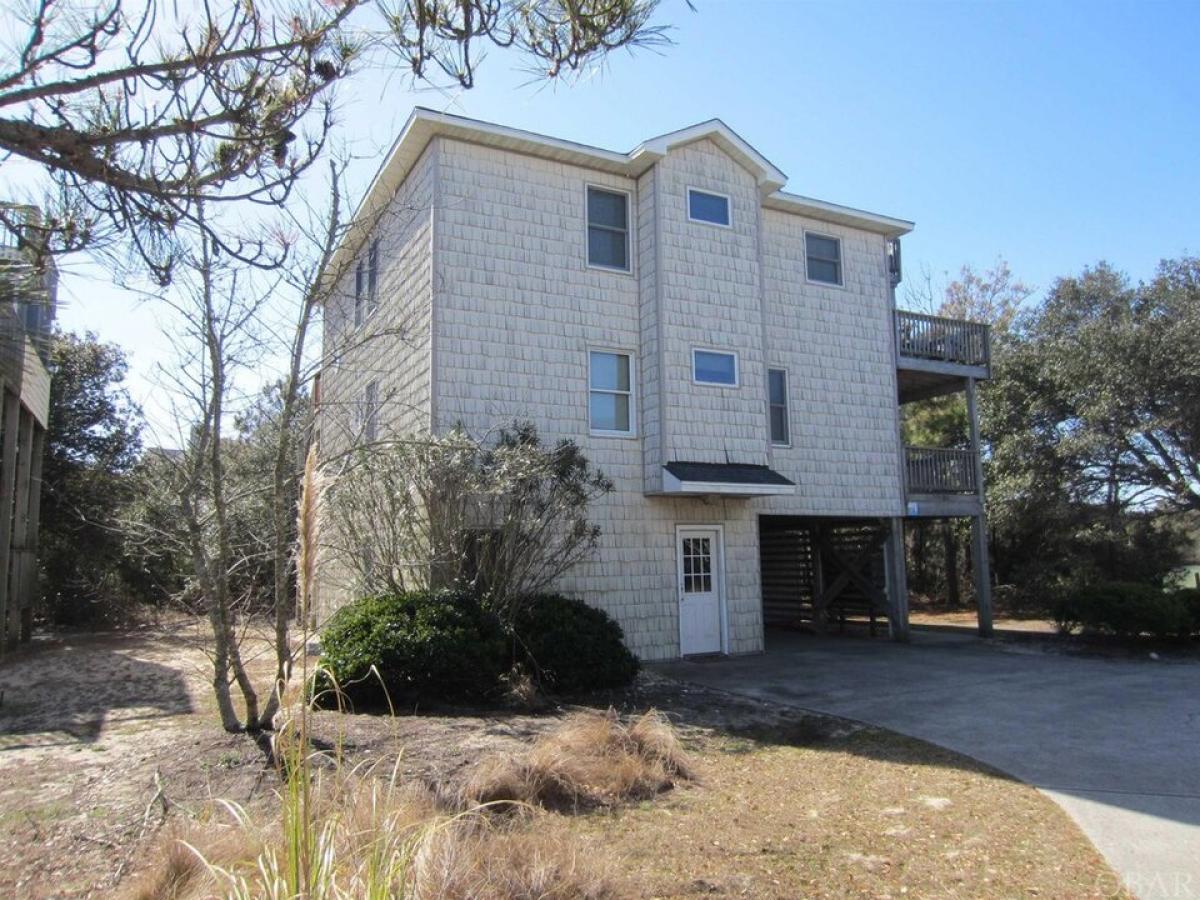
[373,277]
[610,393]
[707,207]
[715,367]
[608,229]
[359,293]
[777,404]
[823,258]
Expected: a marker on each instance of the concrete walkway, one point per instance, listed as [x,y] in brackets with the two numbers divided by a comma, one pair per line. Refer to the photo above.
[1116,743]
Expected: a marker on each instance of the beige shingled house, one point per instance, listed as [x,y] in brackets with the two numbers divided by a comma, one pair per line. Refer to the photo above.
[728,353]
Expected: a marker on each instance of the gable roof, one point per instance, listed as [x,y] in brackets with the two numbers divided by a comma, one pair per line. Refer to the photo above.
[424,125]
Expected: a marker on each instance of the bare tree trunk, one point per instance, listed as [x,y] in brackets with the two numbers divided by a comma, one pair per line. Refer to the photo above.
[282,507]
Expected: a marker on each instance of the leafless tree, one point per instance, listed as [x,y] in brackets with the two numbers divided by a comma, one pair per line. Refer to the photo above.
[501,514]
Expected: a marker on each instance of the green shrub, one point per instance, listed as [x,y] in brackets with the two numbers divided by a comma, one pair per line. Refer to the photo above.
[427,646]
[1190,598]
[571,646]
[1125,608]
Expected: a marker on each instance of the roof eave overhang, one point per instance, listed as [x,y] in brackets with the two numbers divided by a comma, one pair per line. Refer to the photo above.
[424,125]
[887,226]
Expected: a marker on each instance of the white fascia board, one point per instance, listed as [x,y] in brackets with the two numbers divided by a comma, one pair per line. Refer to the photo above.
[768,176]
[841,215]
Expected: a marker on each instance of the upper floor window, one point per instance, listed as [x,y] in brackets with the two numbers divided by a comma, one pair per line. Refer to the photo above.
[715,367]
[608,229]
[359,293]
[610,389]
[373,277]
[777,403]
[371,412]
[823,257]
[706,207]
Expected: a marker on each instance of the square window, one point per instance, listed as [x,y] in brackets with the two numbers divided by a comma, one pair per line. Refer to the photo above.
[610,392]
[706,207]
[823,258]
[608,229]
[715,367]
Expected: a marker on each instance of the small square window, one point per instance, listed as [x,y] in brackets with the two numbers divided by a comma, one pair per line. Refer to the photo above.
[715,367]
[777,402]
[610,393]
[706,207]
[823,258]
[608,229]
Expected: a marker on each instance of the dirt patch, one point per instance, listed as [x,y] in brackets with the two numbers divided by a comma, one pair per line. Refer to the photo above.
[105,741]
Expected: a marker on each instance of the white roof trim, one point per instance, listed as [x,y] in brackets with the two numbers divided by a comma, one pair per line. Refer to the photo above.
[841,215]
[424,125]
[769,178]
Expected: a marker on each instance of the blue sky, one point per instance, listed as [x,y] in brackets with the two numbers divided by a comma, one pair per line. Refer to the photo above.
[1052,134]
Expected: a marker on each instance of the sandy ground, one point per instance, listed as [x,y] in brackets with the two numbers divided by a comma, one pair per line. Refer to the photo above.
[106,739]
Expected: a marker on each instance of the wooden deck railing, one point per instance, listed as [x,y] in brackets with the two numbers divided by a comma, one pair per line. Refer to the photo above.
[936,470]
[943,340]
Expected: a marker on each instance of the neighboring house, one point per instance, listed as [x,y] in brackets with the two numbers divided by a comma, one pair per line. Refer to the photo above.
[28,291]
[727,353]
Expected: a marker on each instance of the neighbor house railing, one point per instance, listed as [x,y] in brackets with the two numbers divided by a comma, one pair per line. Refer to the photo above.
[936,470]
[943,340]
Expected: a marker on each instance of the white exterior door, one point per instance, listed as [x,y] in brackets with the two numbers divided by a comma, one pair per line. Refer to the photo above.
[700,582]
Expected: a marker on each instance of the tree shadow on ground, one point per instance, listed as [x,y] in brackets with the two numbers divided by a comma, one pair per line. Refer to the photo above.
[68,690]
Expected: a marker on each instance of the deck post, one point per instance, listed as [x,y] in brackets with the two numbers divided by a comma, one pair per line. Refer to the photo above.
[979,543]
[897,580]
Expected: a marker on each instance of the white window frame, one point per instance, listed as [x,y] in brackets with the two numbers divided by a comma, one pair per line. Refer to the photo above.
[728,207]
[629,241]
[787,407]
[841,282]
[737,368]
[633,417]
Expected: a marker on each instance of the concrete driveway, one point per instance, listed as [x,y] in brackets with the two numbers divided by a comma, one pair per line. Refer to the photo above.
[1116,743]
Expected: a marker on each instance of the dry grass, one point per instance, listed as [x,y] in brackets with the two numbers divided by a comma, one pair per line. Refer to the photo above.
[373,838]
[591,760]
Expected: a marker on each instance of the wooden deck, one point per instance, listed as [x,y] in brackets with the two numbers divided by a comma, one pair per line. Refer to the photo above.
[934,354]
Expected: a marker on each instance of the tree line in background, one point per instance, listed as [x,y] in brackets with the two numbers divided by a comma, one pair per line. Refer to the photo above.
[172,140]
[1091,431]
[1091,427]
